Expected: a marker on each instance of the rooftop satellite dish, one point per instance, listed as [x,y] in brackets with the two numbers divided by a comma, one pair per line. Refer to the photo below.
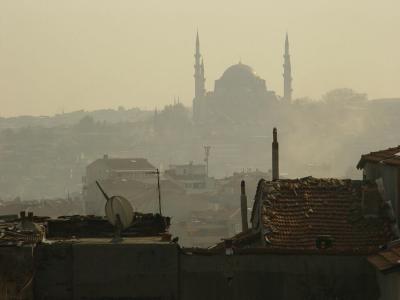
[119,213]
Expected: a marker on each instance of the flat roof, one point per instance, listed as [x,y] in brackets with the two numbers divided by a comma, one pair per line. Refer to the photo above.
[108,241]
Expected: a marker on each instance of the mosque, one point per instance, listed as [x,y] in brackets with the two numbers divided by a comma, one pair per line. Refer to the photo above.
[239,94]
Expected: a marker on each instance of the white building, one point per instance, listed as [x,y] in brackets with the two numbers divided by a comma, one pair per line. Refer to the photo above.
[192,177]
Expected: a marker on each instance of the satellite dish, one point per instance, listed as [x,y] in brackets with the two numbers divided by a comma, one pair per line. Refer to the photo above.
[119,212]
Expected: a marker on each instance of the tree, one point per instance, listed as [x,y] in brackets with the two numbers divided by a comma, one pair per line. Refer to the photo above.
[343,95]
[87,123]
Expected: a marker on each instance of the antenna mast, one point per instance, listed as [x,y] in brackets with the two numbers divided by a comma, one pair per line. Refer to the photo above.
[102,191]
[207,155]
[159,190]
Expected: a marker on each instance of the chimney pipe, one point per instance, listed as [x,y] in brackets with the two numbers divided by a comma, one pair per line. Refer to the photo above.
[243,206]
[275,156]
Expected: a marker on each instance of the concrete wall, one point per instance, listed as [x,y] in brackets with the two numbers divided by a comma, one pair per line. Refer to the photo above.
[54,272]
[16,273]
[391,181]
[162,271]
[276,277]
[107,271]
[389,285]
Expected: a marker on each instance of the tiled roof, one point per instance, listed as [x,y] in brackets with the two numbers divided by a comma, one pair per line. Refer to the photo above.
[387,260]
[389,156]
[294,214]
[18,232]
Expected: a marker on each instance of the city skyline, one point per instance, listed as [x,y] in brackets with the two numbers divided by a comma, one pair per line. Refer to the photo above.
[53,60]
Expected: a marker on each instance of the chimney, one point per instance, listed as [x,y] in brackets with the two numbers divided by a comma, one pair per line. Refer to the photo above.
[275,156]
[105,156]
[243,206]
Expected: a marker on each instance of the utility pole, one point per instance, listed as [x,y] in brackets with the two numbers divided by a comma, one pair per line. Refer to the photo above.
[157,172]
[207,155]
[159,191]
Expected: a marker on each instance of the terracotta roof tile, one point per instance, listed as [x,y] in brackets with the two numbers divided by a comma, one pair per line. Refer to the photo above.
[295,213]
[387,260]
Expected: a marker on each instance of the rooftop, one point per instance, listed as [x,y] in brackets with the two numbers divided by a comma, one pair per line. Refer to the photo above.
[390,156]
[124,241]
[239,70]
[240,76]
[295,214]
[125,164]
[387,260]
[145,228]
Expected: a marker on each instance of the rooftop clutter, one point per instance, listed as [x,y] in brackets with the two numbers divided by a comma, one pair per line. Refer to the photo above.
[311,215]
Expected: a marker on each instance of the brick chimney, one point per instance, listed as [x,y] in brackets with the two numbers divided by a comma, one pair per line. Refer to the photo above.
[275,156]
[243,206]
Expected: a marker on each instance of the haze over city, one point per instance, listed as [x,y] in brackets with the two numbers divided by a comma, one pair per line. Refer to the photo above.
[199,150]
[60,56]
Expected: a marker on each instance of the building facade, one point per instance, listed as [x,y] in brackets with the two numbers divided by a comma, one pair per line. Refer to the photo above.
[387,265]
[125,177]
[191,177]
[383,167]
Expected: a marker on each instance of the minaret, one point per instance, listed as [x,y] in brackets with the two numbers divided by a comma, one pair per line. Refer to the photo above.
[199,79]
[287,73]
[202,74]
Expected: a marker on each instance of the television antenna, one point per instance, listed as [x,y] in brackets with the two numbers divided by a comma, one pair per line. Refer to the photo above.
[157,172]
[119,213]
[206,156]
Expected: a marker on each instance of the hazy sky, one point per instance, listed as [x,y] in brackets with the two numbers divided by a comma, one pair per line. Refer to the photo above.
[87,54]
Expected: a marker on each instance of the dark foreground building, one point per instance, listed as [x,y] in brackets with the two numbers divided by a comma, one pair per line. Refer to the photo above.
[387,264]
[322,239]
[310,239]
[152,269]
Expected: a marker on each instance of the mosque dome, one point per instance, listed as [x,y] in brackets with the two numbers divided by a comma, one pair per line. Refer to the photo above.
[239,76]
[238,72]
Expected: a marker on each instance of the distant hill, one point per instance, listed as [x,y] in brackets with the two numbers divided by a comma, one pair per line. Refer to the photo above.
[387,100]
[70,118]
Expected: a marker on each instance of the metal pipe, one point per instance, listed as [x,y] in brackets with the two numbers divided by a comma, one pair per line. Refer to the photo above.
[275,155]
[243,206]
